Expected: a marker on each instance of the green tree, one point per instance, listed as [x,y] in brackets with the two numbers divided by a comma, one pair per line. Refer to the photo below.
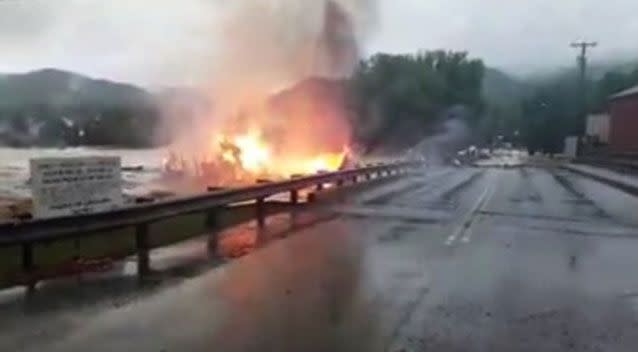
[403,95]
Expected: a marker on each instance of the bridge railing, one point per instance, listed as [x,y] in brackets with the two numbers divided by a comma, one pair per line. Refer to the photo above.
[27,234]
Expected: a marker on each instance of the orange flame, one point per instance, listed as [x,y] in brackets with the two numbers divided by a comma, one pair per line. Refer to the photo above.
[249,151]
[299,131]
[255,156]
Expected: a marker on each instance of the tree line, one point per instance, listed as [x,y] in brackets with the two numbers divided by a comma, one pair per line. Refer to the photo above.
[82,124]
[398,98]
[557,108]
[395,100]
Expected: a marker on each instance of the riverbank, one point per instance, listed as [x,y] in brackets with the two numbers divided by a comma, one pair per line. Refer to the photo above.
[141,176]
[144,164]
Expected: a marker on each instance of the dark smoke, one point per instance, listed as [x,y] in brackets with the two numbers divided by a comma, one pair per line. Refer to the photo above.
[265,47]
[337,47]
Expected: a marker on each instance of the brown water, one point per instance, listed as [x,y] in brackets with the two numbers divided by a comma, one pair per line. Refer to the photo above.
[14,167]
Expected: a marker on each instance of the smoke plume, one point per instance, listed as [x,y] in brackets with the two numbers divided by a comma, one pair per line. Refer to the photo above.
[263,48]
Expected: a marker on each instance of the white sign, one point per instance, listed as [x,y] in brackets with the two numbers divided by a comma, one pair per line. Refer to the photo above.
[73,186]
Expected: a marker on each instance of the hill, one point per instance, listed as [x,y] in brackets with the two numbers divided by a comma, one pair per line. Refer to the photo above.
[61,89]
[54,107]
[499,88]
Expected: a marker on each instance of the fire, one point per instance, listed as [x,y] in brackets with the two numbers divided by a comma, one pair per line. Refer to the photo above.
[299,131]
[254,155]
[325,162]
[249,151]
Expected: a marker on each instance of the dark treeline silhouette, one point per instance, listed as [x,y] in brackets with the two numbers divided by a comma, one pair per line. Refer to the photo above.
[56,108]
[392,100]
[557,107]
[398,98]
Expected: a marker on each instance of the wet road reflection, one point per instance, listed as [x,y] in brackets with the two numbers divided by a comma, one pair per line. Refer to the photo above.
[508,260]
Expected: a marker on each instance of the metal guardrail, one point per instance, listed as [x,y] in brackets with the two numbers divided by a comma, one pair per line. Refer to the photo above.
[27,234]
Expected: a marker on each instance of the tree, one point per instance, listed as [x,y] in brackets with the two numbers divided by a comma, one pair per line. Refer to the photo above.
[403,95]
[554,110]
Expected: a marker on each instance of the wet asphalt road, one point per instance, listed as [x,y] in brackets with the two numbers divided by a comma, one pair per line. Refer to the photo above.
[522,259]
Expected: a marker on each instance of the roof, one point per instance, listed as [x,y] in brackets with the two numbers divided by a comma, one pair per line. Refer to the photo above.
[625,93]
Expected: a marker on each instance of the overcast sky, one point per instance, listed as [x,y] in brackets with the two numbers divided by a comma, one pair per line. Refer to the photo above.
[165,42]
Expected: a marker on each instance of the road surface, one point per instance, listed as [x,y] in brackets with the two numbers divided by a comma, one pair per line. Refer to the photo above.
[524,259]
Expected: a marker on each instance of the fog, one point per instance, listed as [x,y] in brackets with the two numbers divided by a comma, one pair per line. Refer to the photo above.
[168,43]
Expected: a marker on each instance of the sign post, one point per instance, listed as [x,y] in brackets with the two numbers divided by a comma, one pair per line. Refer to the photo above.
[75,186]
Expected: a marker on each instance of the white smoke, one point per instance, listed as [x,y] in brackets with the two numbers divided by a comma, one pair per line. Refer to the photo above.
[265,45]
[260,47]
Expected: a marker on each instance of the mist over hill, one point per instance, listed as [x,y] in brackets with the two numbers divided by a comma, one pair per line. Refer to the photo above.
[502,88]
[58,108]
[55,107]
[62,89]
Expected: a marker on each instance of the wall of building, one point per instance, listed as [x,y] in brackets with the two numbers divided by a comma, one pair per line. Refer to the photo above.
[598,127]
[623,134]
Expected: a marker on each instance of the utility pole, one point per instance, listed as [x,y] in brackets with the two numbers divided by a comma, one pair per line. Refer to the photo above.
[584,46]
[582,58]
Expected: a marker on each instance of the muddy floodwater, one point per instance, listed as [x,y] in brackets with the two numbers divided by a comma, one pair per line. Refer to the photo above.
[14,167]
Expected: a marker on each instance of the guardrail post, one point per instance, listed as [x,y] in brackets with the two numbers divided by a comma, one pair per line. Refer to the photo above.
[142,247]
[294,200]
[211,218]
[28,267]
[312,197]
[261,216]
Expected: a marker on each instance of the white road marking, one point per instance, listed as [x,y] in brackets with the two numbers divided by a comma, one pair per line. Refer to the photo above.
[464,229]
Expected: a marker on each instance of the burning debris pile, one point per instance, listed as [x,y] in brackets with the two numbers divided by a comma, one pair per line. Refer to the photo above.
[258,128]
[302,130]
